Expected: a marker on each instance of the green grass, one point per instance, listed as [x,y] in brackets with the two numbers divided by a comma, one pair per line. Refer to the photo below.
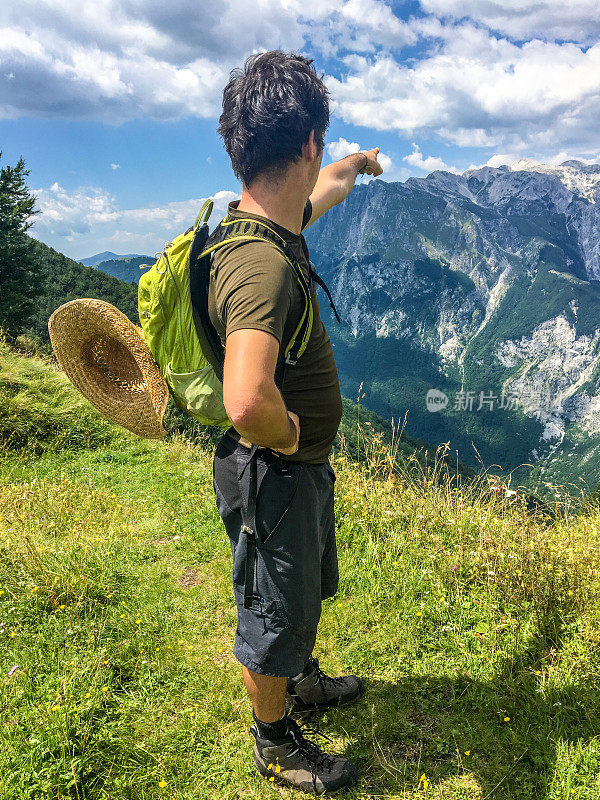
[474,623]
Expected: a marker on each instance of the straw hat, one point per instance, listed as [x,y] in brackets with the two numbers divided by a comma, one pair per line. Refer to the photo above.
[105,356]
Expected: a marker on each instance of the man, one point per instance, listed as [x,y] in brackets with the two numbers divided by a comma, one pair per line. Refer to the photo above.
[275,114]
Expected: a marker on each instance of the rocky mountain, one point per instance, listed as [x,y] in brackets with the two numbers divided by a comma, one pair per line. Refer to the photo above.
[471,306]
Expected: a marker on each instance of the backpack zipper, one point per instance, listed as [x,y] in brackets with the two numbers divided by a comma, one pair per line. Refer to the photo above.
[163,308]
[186,354]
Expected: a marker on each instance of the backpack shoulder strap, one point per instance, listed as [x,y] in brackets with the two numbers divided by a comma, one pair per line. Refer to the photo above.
[319,280]
[199,272]
[249,230]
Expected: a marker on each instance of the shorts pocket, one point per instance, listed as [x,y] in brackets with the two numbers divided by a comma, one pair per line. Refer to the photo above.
[330,471]
[278,489]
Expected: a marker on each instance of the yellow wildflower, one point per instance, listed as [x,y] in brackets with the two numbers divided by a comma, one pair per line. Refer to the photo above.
[467,752]
[105,688]
[506,719]
[162,784]
[88,694]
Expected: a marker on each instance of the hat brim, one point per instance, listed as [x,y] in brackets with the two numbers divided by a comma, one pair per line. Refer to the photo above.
[106,358]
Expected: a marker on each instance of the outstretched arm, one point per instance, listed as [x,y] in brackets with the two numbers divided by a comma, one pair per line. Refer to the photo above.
[335,181]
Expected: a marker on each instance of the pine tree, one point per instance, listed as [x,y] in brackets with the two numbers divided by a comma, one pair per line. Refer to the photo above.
[20,281]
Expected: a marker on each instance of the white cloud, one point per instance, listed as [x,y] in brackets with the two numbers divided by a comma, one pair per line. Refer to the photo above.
[386,162]
[429,164]
[500,159]
[522,89]
[360,26]
[57,78]
[121,59]
[576,20]
[88,220]
[342,148]
[114,165]
[508,159]
[479,90]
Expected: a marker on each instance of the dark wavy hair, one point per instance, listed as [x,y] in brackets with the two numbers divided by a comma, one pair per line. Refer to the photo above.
[269,109]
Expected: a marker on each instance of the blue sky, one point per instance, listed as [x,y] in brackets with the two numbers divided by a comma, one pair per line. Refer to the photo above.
[114,103]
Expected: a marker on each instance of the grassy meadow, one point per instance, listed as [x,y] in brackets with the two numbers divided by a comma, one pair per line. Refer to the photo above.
[474,621]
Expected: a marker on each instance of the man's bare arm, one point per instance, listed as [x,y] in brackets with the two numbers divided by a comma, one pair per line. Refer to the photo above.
[252,400]
[335,181]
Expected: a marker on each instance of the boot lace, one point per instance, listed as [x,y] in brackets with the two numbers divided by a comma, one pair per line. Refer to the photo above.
[324,680]
[318,760]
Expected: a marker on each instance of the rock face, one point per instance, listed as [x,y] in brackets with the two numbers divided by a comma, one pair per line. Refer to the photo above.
[486,286]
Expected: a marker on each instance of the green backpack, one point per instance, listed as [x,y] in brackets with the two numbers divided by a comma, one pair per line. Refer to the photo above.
[173,310]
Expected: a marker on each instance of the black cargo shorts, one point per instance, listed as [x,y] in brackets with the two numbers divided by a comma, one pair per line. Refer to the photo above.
[295,554]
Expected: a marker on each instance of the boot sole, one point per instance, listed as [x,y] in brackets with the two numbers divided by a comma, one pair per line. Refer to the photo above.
[278,778]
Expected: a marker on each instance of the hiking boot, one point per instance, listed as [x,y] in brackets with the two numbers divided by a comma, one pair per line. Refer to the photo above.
[313,690]
[296,761]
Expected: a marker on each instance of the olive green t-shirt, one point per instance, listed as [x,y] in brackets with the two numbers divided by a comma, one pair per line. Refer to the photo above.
[253,286]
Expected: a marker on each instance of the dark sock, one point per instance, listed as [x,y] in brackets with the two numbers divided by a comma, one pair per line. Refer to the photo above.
[273,731]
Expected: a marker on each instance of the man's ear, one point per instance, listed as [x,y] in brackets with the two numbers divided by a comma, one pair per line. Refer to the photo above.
[310,151]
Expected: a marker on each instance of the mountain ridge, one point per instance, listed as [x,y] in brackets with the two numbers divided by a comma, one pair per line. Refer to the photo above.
[125,268]
[444,278]
[107,255]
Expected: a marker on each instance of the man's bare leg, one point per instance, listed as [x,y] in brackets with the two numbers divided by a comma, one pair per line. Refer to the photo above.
[267,695]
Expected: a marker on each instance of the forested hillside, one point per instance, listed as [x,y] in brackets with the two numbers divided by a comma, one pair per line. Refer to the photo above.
[65,279]
[126,268]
